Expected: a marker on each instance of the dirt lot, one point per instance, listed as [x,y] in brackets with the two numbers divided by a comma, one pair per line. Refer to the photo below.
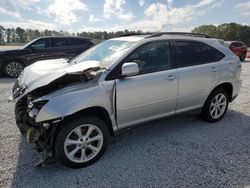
[182,151]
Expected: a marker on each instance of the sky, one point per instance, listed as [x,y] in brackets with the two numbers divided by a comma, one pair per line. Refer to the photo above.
[114,15]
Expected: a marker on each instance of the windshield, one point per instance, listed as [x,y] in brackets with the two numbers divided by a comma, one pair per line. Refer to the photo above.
[106,53]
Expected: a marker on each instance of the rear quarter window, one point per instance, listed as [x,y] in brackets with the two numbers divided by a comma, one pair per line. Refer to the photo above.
[210,54]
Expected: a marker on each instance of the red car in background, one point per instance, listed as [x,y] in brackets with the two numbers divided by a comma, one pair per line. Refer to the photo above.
[238,48]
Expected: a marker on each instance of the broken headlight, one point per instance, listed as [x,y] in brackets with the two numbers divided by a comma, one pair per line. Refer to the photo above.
[35,107]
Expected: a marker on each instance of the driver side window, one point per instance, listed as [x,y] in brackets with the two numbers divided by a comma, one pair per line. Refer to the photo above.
[152,57]
[39,44]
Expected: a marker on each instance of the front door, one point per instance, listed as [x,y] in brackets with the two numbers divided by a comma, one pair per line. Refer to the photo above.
[153,92]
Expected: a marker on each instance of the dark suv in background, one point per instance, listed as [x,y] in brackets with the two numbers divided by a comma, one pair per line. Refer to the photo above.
[12,62]
[238,48]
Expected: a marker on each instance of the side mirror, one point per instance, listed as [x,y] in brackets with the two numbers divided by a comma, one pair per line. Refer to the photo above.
[130,69]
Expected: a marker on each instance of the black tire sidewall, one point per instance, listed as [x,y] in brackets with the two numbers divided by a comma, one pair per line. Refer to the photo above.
[67,128]
[206,108]
[6,64]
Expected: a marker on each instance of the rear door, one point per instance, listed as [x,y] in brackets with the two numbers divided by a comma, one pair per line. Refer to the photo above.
[153,92]
[61,47]
[69,47]
[198,68]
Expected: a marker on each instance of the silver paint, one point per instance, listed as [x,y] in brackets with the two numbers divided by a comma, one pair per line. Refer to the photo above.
[138,98]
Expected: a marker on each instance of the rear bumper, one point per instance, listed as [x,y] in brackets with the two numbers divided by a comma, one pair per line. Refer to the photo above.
[236,88]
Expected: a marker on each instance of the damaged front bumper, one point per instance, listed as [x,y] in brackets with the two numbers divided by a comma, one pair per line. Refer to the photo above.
[41,134]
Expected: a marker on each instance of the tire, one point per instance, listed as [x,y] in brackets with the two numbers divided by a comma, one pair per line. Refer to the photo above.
[74,148]
[213,106]
[13,68]
[243,56]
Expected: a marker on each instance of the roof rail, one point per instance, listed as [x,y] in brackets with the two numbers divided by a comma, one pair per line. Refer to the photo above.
[158,34]
[134,34]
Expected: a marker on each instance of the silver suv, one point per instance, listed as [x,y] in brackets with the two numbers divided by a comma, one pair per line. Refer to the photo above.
[71,109]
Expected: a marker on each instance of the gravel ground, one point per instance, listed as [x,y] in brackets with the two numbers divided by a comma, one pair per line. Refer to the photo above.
[182,151]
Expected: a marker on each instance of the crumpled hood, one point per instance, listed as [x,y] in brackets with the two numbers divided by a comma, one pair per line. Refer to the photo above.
[42,73]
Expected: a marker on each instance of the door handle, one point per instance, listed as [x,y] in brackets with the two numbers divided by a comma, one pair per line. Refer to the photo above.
[170,77]
[213,69]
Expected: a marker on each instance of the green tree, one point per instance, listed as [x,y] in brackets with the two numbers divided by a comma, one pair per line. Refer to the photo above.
[13,35]
[8,35]
[2,30]
[226,31]
[21,35]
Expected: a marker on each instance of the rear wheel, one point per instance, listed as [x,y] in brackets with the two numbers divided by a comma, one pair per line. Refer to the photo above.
[216,105]
[242,56]
[81,142]
[13,68]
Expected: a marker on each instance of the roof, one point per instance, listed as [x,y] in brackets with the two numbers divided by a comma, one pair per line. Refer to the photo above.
[63,37]
[132,38]
[179,34]
[164,35]
[158,34]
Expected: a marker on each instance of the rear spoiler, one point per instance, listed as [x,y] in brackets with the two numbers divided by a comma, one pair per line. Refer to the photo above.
[221,41]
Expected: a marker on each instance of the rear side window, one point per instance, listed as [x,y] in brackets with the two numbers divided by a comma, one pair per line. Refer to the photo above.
[190,53]
[187,53]
[58,42]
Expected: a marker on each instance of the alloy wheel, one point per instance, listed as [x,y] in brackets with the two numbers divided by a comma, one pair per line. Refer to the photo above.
[83,143]
[14,69]
[218,106]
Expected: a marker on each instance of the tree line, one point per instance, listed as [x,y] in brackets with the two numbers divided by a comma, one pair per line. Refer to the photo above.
[20,35]
[227,31]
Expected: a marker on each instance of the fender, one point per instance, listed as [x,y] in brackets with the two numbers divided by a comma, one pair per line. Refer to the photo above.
[68,101]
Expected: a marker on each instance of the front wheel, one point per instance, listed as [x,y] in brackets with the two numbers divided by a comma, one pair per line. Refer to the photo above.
[81,142]
[216,106]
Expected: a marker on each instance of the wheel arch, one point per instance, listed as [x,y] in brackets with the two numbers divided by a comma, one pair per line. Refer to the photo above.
[97,111]
[226,86]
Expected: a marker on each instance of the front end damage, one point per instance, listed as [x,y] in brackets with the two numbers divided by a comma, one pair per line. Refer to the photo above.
[40,134]
[28,105]
[25,113]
